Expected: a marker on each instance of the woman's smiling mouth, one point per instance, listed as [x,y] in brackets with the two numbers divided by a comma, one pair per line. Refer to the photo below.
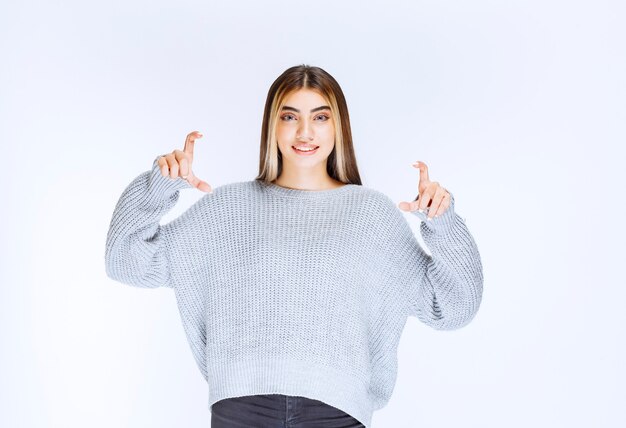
[305,150]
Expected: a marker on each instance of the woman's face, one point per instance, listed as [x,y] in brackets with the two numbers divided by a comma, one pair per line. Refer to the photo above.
[305,121]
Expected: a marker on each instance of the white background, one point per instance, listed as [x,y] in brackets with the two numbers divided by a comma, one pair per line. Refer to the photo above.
[518,107]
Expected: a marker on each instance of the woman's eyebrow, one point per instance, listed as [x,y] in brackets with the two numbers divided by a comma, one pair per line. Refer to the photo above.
[312,111]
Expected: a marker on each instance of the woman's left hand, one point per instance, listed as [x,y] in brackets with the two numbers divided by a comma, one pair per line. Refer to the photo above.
[430,195]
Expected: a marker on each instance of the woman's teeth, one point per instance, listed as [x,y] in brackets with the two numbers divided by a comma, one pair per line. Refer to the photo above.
[305,150]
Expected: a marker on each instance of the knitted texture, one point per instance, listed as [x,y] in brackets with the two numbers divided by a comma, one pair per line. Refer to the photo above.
[295,292]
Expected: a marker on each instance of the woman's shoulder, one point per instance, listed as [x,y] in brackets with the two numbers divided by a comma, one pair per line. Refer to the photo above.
[375,198]
[227,193]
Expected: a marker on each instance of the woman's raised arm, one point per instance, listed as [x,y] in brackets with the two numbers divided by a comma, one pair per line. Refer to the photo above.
[136,244]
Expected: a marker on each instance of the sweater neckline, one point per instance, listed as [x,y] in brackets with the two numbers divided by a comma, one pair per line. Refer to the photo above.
[304,194]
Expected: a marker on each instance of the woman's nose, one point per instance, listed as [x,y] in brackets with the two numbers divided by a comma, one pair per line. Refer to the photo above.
[305,131]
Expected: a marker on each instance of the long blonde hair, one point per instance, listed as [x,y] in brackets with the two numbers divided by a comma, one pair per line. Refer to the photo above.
[341,164]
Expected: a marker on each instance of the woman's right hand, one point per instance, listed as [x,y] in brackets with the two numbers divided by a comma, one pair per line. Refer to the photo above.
[179,163]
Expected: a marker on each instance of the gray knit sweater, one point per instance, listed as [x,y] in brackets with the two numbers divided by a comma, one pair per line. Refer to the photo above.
[295,292]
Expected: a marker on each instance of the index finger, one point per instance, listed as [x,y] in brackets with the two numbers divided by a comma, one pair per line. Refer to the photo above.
[423,171]
[190,140]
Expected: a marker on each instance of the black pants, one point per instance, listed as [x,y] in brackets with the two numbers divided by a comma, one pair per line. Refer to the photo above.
[278,411]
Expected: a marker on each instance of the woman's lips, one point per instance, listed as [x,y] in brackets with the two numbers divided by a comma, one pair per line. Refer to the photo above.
[303,153]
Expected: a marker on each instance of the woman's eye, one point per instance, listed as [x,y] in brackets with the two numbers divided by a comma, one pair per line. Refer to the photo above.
[323,117]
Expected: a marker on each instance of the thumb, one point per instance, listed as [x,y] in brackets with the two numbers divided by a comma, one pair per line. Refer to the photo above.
[204,186]
[199,184]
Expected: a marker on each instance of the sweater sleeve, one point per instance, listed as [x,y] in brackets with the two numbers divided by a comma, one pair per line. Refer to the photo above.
[444,289]
[137,245]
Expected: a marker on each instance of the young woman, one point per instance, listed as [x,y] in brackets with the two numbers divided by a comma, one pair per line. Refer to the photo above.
[294,287]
